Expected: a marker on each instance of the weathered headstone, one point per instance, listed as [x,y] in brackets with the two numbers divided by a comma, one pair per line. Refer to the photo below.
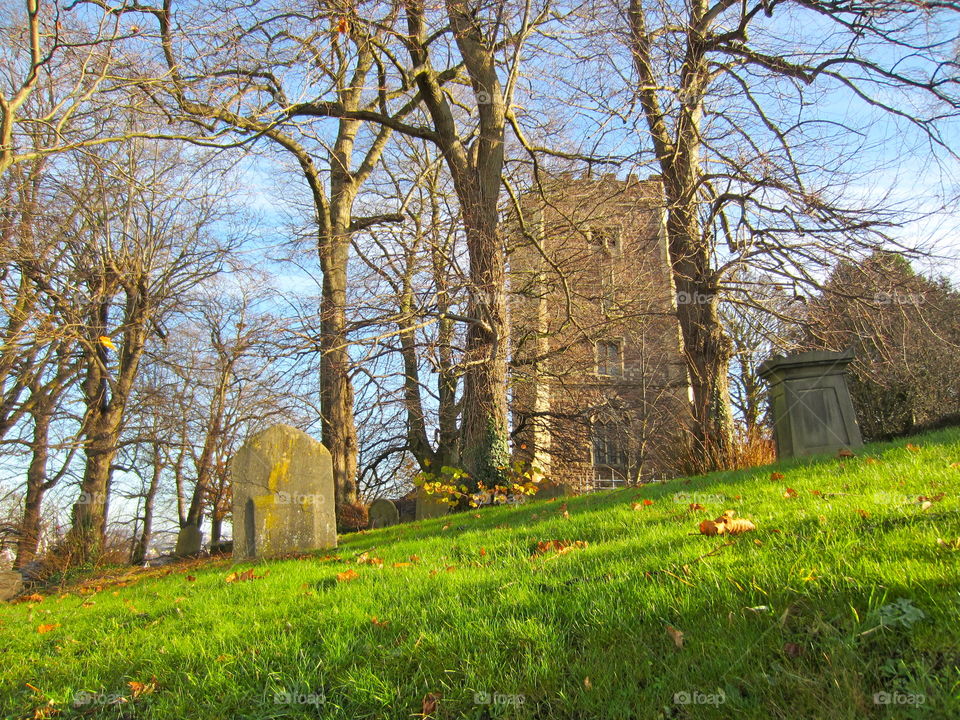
[283,499]
[810,403]
[430,506]
[189,541]
[551,490]
[383,513]
[10,585]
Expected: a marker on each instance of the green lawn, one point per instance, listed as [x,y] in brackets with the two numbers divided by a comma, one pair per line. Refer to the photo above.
[840,600]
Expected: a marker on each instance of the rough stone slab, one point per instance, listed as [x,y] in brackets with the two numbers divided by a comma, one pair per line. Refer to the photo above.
[189,541]
[383,513]
[11,583]
[428,506]
[283,495]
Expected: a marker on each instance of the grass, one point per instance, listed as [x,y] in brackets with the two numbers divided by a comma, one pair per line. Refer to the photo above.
[837,601]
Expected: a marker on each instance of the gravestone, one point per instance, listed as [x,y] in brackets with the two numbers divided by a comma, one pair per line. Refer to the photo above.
[189,541]
[11,583]
[429,506]
[283,498]
[383,513]
[551,490]
[810,403]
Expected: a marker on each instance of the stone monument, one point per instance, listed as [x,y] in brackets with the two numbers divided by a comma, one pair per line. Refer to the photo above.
[810,403]
[429,506]
[189,541]
[383,513]
[11,583]
[550,490]
[283,498]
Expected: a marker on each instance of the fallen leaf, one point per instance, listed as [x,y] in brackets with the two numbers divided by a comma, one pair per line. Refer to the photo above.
[107,342]
[790,493]
[711,527]
[948,544]
[926,505]
[816,492]
[191,578]
[34,598]
[696,507]
[863,513]
[739,525]
[845,453]
[872,461]
[414,558]
[138,688]
[402,564]
[776,476]
[429,705]
[42,629]
[445,527]
[242,577]
[675,635]
[587,683]
[647,503]
[377,622]
[792,650]
[347,575]
[913,448]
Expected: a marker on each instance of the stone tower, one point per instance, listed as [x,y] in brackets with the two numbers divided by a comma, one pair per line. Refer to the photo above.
[600,392]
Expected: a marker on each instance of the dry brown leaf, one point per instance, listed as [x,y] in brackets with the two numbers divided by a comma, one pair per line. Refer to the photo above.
[35,598]
[790,493]
[402,564]
[776,476]
[377,622]
[696,507]
[191,578]
[913,448]
[863,513]
[845,453]
[948,544]
[347,575]
[429,704]
[42,629]
[711,527]
[587,683]
[138,688]
[675,635]
[739,525]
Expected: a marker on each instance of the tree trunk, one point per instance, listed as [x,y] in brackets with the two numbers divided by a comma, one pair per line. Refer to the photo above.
[705,344]
[36,487]
[338,428]
[146,535]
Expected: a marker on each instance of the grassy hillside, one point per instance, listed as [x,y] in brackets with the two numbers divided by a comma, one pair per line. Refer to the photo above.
[842,604]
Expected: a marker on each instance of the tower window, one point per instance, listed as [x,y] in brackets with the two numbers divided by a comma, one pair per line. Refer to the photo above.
[610,358]
[607,238]
[609,446]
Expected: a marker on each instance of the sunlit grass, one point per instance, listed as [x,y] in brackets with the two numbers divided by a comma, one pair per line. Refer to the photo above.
[835,598]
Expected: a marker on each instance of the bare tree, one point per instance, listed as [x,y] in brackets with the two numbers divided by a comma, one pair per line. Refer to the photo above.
[756,169]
